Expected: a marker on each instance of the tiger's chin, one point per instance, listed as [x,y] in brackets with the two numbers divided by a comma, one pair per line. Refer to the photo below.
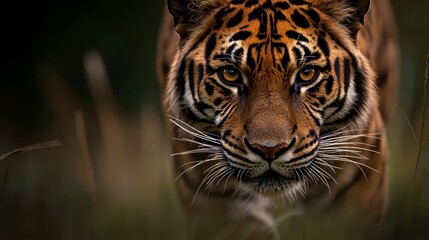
[274,185]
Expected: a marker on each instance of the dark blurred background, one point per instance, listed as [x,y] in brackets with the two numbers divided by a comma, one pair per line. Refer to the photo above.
[111,179]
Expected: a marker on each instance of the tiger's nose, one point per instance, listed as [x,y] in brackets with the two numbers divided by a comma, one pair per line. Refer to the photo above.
[269,153]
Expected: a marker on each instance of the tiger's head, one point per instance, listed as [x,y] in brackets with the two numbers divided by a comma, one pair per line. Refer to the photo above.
[272,78]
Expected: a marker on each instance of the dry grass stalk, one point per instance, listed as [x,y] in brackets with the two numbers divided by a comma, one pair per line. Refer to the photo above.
[110,122]
[86,159]
[31,148]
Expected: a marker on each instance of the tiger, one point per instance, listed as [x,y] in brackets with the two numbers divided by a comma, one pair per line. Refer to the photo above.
[277,99]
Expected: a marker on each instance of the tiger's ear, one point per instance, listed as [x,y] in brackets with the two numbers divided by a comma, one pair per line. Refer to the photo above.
[181,13]
[356,18]
[349,13]
[188,14]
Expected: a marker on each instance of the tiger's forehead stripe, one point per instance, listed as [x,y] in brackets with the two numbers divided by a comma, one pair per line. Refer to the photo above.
[272,22]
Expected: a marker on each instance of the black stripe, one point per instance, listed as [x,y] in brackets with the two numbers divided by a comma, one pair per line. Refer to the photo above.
[255,14]
[282,5]
[250,3]
[279,47]
[295,35]
[224,57]
[273,27]
[235,155]
[328,85]
[268,5]
[323,45]
[202,38]
[305,146]
[180,80]
[279,16]
[250,62]
[235,146]
[320,112]
[315,119]
[236,2]
[210,46]
[200,72]
[337,68]
[338,104]
[300,20]
[235,20]
[361,95]
[218,101]
[242,35]
[313,15]
[347,73]
[226,111]
[242,165]
[191,79]
[230,49]
[238,54]
[297,53]
[359,80]
[260,15]
[263,26]
[201,107]
[209,88]
[303,156]
[307,54]
[298,2]
[186,111]
[220,14]
[225,91]
[316,56]
[226,134]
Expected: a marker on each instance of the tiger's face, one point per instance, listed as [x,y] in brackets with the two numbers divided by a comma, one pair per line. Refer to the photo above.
[273,77]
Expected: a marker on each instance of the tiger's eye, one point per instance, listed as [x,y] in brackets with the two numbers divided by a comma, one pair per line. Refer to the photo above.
[307,75]
[230,75]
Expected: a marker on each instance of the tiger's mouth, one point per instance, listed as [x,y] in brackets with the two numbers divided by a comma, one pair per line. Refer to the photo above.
[272,183]
[269,182]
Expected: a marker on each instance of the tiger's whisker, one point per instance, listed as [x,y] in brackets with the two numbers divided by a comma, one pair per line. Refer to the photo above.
[193,167]
[348,133]
[195,151]
[226,181]
[196,142]
[200,161]
[193,131]
[332,147]
[354,162]
[204,181]
[215,175]
[226,173]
